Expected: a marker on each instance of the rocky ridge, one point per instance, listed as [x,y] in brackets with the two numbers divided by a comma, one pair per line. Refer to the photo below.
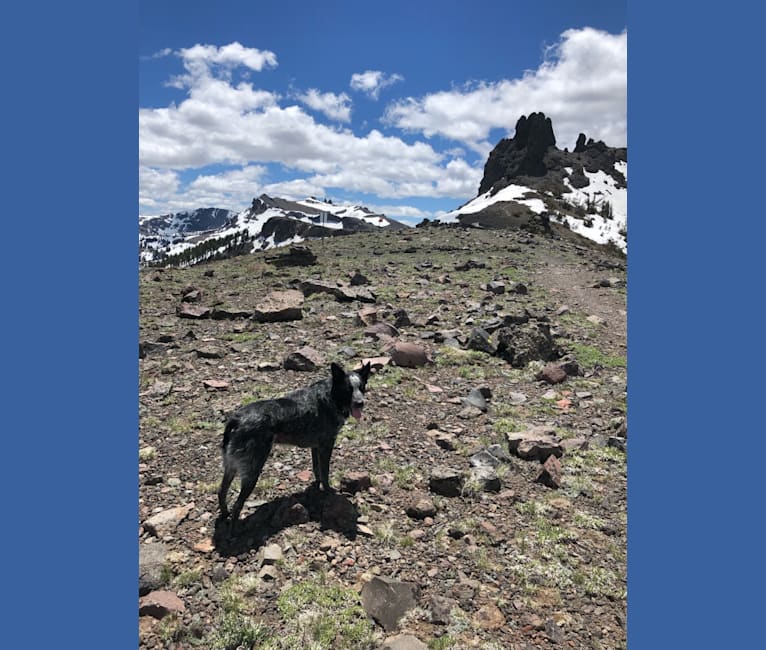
[481,502]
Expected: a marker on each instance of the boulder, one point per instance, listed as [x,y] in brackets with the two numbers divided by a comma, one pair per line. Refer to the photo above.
[279,306]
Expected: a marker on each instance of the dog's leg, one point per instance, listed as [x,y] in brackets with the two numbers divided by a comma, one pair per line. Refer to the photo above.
[229,473]
[250,478]
[324,451]
[315,466]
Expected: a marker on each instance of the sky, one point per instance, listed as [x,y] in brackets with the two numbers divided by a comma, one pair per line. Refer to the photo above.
[392,105]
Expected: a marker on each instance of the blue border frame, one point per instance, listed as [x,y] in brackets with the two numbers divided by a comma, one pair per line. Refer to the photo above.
[695,568]
[70,325]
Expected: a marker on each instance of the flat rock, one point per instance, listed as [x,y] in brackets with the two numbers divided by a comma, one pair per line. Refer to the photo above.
[159,604]
[189,310]
[386,600]
[536,443]
[279,306]
[304,359]
[376,363]
[378,328]
[403,642]
[165,521]
[227,312]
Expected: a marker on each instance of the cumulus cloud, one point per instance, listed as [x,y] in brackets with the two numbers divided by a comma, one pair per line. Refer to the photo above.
[222,122]
[336,107]
[371,82]
[161,192]
[154,188]
[581,85]
[226,119]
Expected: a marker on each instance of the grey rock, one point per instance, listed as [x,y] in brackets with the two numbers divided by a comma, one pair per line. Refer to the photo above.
[536,443]
[387,600]
[421,508]
[476,398]
[151,559]
[485,478]
[441,610]
[403,642]
[272,554]
[496,287]
[446,482]
[479,340]
[188,310]
[520,344]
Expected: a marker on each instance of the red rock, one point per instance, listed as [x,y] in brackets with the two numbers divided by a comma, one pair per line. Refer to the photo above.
[159,604]
[550,473]
[409,355]
[552,373]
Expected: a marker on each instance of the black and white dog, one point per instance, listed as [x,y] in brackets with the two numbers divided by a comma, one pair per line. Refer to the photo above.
[307,417]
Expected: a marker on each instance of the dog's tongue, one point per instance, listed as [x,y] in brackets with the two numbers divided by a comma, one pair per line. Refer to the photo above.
[356,411]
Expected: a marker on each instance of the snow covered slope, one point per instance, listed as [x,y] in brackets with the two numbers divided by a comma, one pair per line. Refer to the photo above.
[598,210]
[267,223]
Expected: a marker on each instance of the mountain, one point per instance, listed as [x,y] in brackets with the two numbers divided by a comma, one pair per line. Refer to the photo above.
[187,238]
[529,183]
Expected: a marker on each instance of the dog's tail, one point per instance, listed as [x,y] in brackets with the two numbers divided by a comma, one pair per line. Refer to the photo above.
[232,424]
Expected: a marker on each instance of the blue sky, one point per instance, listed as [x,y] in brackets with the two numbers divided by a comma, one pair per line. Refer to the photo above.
[392,105]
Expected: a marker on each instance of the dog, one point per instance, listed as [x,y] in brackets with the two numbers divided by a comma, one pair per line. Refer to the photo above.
[307,417]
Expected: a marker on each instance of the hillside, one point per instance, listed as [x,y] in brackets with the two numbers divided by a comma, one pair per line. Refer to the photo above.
[444,502]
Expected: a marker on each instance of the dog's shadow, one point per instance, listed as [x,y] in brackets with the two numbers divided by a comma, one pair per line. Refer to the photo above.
[333,511]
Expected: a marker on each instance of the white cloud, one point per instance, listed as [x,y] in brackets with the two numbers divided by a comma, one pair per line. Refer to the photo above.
[154,187]
[223,123]
[296,189]
[336,107]
[581,85]
[161,192]
[371,82]
[228,56]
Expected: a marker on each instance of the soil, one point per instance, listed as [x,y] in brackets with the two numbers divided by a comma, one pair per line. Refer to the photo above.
[523,566]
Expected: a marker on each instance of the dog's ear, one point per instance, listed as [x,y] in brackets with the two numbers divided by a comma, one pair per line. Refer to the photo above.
[338,374]
[364,373]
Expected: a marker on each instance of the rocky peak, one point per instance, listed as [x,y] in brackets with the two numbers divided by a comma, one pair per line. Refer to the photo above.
[531,158]
[521,155]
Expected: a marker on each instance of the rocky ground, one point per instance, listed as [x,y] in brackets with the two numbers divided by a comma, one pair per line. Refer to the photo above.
[481,501]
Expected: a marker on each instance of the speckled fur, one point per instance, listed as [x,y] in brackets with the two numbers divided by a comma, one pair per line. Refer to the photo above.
[307,417]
